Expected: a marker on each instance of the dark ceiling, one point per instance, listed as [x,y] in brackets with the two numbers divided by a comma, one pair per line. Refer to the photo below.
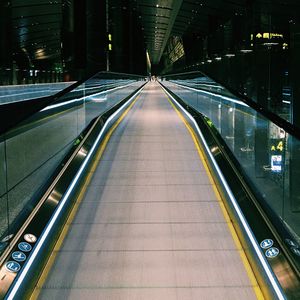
[36,26]
[158,18]
[164,18]
[37,23]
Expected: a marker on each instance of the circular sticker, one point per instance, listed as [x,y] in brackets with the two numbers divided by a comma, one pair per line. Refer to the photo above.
[272,252]
[295,251]
[267,243]
[7,238]
[12,266]
[25,247]
[18,256]
[30,238]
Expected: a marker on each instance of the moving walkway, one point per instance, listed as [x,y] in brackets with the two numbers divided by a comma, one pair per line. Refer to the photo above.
[141,207]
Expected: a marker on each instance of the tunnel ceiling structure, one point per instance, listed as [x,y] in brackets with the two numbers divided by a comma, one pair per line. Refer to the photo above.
[36,26]
[164,18]
[41,28]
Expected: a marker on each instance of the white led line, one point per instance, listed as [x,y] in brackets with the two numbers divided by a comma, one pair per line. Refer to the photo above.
[54,90]
[213,94]
[199,83]
[25,93]
[287,102]
[55,216]
[237,208]
[97,86]
[79,99]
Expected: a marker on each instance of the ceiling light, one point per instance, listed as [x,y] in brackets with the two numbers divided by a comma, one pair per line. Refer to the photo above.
[270,44]
[246,50]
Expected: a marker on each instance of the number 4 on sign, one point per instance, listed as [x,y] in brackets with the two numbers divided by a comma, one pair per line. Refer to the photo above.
[280,146]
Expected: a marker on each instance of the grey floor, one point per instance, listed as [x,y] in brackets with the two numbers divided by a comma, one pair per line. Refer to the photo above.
[149,226]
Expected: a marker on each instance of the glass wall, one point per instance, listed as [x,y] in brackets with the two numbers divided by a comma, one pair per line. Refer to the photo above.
[32,151]
[269,156]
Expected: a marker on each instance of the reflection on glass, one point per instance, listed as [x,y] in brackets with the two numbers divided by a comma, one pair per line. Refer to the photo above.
[269,157]
[32,151]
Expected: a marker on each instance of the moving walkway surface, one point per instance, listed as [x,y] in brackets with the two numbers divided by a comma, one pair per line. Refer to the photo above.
[150,224]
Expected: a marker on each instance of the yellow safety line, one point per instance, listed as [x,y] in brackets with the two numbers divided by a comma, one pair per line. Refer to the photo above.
[232,230]
[69,221]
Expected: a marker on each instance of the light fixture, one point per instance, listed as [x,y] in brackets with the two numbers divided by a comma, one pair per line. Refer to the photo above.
[270,44]
[246,50]
[230,55]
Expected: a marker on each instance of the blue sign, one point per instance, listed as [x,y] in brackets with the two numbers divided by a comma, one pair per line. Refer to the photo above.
[276,163]
[18,256]
[267,243]
[272,252]
[25,247]
[12,266]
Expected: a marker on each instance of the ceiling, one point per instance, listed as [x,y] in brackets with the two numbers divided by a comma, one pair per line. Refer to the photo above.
[37,23]
[164,18]
[36,26]
[157,18]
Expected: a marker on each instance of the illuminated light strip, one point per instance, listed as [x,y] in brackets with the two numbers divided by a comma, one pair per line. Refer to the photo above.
[26,99]
[244,222]
[210,85]
[213,94]
[26,93]
[39,84]
[97,86]
[52,90]
[51,94]
[287,102]
[58,210]
[207,84]
[85,97]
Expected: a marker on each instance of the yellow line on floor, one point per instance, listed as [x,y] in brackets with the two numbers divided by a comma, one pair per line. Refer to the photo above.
[73,212]
[232,230]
